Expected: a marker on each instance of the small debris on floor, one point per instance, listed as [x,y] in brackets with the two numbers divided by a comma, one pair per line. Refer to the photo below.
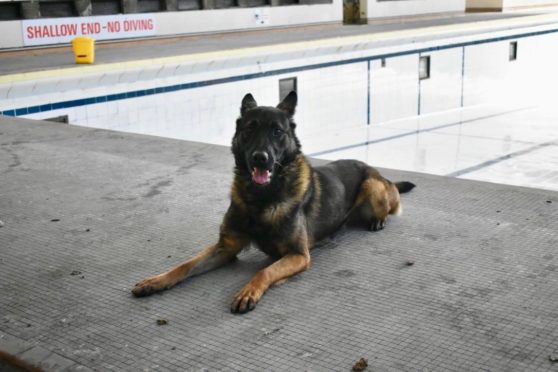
[173,348]
[28,325]
[82,277]
[409,263]
[87,230]
[169,256]
[360,365]
[268,333]
[162,322]
[75,272]
[549,201]
[55,220]
[553,358]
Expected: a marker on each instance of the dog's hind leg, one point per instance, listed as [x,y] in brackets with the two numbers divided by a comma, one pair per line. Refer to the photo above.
[377,199]
[210,258]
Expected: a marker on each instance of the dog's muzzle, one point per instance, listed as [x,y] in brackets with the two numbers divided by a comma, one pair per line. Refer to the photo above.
[260,169]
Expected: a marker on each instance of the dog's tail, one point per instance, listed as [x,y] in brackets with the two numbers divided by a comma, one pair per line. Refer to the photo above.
[404,186]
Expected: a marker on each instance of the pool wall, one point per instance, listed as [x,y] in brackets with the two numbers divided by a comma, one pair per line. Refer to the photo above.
[342,83]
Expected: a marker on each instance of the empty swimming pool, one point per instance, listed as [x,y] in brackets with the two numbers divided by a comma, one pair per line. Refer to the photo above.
[473,106]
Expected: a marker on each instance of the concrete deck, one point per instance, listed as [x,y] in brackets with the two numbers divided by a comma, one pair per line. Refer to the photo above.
[28,60]
[87,213]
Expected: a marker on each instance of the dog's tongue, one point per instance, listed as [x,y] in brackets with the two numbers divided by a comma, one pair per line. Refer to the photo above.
[260,176]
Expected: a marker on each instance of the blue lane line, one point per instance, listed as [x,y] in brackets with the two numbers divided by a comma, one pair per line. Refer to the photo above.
[199,84]
[411,133]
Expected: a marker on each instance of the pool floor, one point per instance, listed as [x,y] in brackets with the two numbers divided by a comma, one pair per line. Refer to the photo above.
[509,145]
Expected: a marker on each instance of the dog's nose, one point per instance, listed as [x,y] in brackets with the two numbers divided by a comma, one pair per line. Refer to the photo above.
[260,158]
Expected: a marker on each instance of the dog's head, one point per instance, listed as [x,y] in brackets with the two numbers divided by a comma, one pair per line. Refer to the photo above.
[265,140]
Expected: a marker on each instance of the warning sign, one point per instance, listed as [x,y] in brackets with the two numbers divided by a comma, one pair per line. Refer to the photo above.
[63,30]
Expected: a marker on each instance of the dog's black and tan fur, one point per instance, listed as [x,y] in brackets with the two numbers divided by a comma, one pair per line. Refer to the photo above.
[282,204]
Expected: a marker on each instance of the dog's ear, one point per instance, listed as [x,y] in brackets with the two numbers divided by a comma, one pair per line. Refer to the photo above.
[248,102]
[289,104]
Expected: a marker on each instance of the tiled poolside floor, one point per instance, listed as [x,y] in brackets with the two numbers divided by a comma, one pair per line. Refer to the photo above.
[87,213]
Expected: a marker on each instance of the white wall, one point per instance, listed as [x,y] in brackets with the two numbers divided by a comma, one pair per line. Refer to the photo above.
[394,88]
[381,9]
[188,22]
[490,77]
[535,69]
[332,98]
[215,20]
[11,34]
[528,3]
[205,114]
[486,68]
[442,91]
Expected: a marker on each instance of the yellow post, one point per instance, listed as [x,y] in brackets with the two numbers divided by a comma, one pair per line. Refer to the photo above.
[84,49]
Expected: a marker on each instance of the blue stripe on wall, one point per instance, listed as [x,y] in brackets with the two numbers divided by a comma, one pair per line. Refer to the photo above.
[205,83]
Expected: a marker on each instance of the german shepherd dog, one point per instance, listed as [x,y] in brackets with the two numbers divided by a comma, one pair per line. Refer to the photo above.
[282,204]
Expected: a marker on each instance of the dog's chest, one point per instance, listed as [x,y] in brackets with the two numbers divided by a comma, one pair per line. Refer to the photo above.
[271,229]
[265,225]
[270,248]
[276,214]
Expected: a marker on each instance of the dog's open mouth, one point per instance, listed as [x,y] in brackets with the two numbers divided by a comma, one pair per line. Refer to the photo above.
[261,176]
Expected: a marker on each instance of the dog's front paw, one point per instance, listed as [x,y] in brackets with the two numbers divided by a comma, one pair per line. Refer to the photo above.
[246,299]
[151,285]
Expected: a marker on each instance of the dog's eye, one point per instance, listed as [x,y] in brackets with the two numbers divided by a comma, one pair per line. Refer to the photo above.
[277,132]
